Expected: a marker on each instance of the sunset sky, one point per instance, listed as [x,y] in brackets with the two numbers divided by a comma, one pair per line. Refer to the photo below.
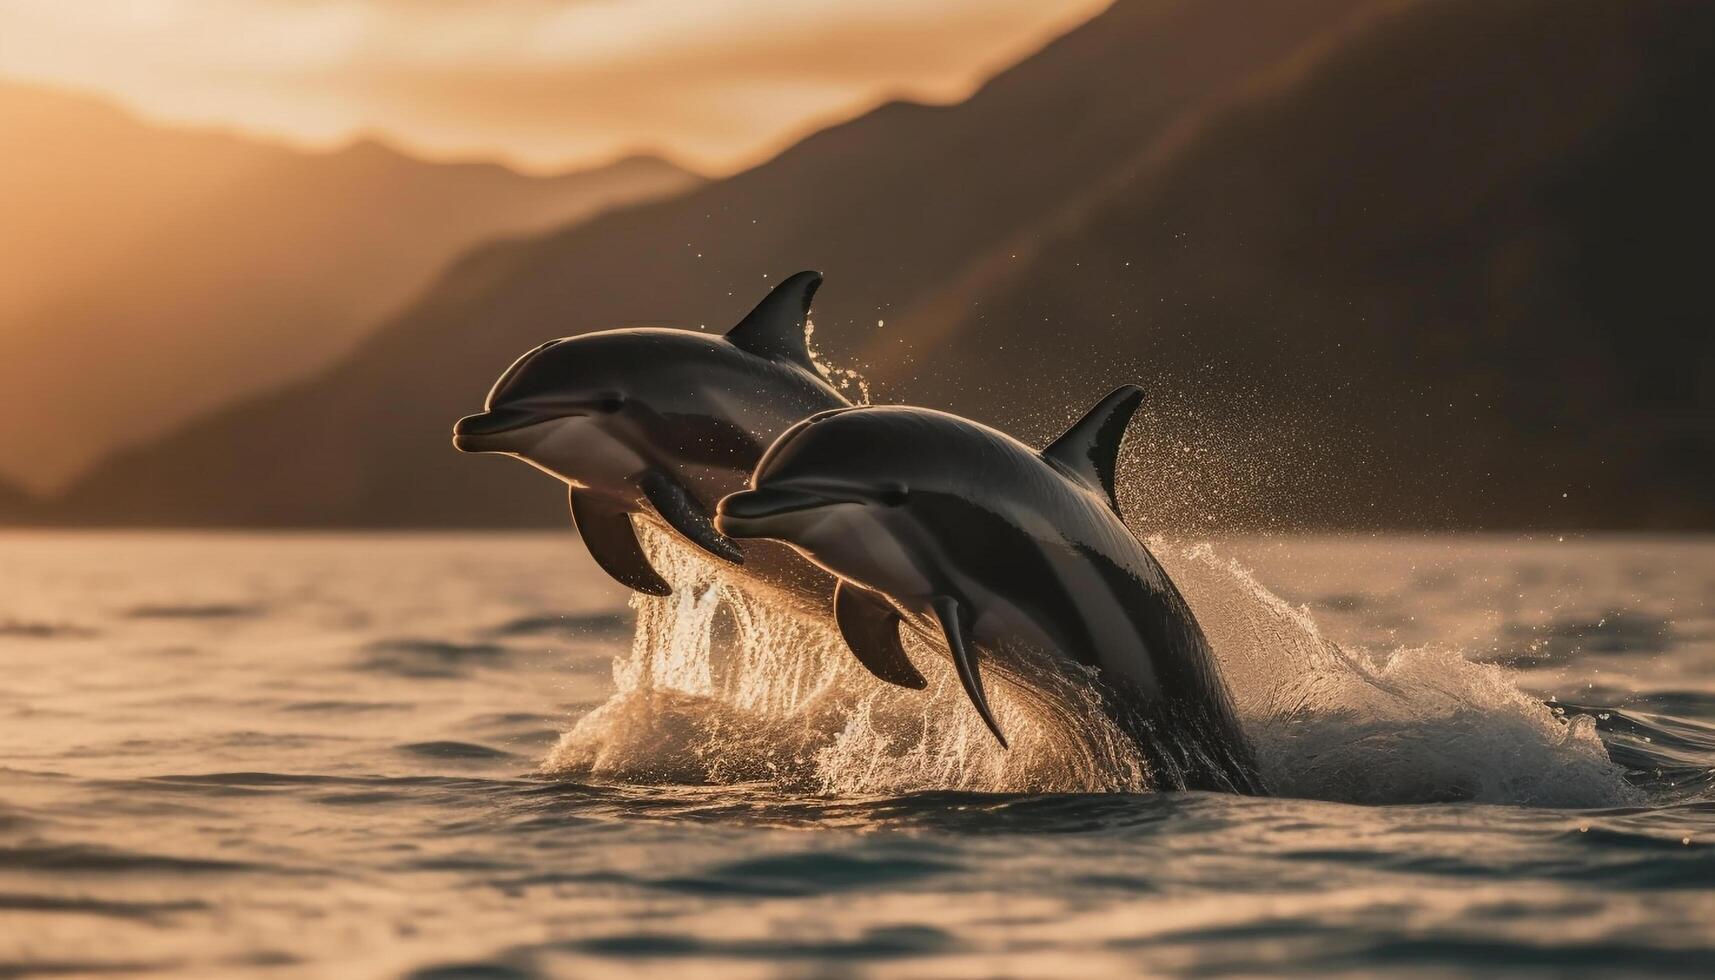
[540,83]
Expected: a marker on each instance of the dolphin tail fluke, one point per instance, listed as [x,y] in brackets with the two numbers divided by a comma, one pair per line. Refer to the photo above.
[675,505]
[775,329]
[952,616]
[1090,449]
[612,542]
[871,629]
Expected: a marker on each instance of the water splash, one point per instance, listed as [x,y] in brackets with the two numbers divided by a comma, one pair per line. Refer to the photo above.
[1412,725]
[848,381]
[722,685]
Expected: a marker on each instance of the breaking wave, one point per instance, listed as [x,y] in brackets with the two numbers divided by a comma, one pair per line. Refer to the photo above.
[723,686]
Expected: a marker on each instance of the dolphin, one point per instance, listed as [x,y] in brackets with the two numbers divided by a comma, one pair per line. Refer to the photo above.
[658,424]
[1019,558]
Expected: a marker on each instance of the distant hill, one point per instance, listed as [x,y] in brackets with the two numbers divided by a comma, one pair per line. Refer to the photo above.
[149,274]
[892,206]
[1451,270]
[16,507]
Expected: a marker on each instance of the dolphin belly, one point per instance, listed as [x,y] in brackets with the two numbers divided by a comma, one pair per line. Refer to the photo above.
[999,621]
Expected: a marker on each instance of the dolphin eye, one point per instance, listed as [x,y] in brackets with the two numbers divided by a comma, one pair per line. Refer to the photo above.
[611,404]
[895,496]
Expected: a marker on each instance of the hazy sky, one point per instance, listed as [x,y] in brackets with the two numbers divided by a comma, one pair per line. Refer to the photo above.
[543,83]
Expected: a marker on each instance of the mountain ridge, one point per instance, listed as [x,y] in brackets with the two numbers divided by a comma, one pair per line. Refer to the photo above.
[886,204]
[1469,342]
[174,269]
[1355,252]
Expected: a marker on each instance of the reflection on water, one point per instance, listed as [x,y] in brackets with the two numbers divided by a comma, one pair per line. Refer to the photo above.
[319,755]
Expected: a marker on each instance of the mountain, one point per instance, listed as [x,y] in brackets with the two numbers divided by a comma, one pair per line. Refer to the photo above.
[152,274]
[16,506]
[1449,270]
[891,205]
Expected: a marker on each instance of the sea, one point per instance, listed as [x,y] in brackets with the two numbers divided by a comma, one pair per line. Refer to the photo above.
[461,755]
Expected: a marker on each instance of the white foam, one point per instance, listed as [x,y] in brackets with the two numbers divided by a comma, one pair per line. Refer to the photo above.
[723,686]
[1402,726]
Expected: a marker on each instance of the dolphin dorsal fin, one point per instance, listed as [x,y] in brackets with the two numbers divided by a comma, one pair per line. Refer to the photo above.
[1090,449]
[775,329]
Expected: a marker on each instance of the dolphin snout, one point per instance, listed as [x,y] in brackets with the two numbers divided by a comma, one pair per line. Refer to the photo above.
[744,514]
[476,433]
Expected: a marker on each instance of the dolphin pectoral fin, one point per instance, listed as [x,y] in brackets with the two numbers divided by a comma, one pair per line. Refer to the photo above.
[612,541]
[871,629]
[953,619]
[680,510]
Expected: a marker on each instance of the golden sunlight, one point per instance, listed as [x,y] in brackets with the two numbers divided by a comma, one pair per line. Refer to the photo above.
[540,83]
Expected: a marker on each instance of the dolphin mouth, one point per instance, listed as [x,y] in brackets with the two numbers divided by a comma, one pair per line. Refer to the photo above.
[478,433]
[747,512]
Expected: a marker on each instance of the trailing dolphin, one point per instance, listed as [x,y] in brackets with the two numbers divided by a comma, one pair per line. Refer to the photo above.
[659,424]
[1020,559]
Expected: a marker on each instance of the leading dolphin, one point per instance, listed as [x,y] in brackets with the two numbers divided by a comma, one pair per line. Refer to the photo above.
[1014,555]
[658,424]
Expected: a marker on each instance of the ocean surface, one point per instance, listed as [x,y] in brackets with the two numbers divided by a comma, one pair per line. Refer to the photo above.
[438,756]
